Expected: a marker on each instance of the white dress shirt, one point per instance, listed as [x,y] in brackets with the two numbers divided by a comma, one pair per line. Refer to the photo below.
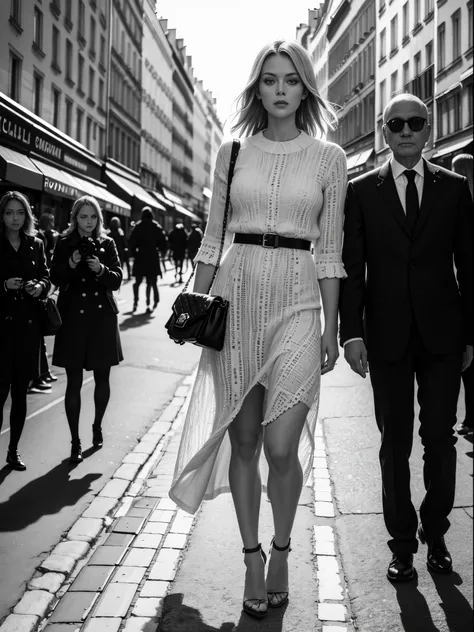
[401,184]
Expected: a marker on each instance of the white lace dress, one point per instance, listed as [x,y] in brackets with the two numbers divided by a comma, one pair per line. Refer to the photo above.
[296,189]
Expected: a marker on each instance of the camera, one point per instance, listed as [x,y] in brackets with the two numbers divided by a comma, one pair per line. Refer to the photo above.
[87,247]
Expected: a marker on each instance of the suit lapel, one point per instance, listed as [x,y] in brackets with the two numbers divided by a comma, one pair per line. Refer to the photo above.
[430,193]
[388,191]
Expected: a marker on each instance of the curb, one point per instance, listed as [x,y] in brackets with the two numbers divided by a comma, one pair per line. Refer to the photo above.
[123,495]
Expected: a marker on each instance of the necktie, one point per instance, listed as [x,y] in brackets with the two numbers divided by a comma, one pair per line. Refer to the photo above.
[411,199]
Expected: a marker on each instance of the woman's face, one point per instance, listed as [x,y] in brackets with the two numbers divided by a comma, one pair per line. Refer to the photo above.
[14,215]
[87,220]
[280,87]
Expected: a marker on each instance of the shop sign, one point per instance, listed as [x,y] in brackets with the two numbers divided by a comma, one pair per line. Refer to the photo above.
[14,128]
[47,148]
[59,188]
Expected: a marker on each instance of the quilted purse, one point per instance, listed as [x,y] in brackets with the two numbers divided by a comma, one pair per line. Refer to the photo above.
[201,318]
[50,317]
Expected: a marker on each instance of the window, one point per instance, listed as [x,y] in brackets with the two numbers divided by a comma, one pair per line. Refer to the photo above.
[15,11]
[69,60]
[417,64]
[394,33]
[69,106]
[88,132]
[102,50]
[429,7]
[417,12]
[449,114]
[101,93]
[393,83]
[56,106]
[456,26]
[15,77]
[68,11]
[382,95]
[441,46]
[55,60]
[406,20]
[80,72]
[92,36]
[38,29]
[37,93]
[406,73]
[91,83]
[383,43]
[429,53]
[79,119]
[469,23]
[81,19]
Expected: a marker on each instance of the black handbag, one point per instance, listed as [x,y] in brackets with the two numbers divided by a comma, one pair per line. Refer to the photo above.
[50,317]
[201,318]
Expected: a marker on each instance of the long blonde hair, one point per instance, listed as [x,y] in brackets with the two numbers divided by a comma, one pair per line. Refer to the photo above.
[99,230]
[314,115]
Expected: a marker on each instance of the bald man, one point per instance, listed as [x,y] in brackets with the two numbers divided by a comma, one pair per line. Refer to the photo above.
[407,313]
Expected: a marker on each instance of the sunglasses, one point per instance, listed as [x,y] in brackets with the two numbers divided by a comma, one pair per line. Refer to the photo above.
[415,123]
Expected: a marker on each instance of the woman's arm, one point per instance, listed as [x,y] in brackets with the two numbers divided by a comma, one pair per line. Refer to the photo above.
[61,270]
[110,274]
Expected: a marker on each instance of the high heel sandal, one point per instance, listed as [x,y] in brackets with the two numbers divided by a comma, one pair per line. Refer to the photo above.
[252,606]
[273,595]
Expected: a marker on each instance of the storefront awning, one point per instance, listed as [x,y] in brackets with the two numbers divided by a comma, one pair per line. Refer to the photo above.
[163,200]
[133,190]
[172,196]
[108,201]
[56,181]
[184,211]
[19,169]
[449,149]
[357,161]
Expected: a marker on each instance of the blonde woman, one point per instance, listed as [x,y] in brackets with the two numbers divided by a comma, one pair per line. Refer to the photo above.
[262,389]
[86,267]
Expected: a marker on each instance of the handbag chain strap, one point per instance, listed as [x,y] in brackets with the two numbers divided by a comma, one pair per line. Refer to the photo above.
[233,160]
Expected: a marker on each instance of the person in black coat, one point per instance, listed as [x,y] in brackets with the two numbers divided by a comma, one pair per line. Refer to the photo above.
[194,242]
[147,241]
[407,311]
[24,279]
[116,232]
[86,268]
[178,241]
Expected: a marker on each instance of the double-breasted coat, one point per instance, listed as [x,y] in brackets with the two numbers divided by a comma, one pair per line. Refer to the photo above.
[146,242]
[20,313]
[89,337]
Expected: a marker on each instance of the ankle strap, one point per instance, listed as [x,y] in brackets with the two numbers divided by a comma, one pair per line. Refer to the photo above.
[255,550]
[279,548]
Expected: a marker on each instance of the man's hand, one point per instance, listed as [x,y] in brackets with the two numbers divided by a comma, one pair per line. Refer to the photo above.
[329,352]
[467,357]
[355,354]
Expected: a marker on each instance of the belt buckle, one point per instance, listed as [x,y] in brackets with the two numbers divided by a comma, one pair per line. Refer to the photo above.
[269,235]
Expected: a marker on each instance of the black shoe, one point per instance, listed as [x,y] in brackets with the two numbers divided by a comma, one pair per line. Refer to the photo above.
[278,598]
[438,558]
[76,453]
[97,439]
[49,377]
[401,568]
[253,606]
[39,387]
[14,461]
[464,428]
[134,308]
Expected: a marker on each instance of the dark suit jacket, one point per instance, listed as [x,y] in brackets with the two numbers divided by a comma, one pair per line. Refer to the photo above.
[394,276]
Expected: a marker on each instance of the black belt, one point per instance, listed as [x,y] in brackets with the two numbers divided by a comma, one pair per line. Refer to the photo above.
[271,240]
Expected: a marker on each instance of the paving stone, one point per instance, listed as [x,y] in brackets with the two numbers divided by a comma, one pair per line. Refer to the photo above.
[158,491]
[62,627]
[175,541]
[34,602]
[139,512]
[92,579]
[323,497]
[320,463]
[75,549]
[334,628]
[148,607]
[331,612]
[148,540]
[322,485]
[58,564]
[324,509]
[124,507]
[115,488]
[115,600]
[155,528]
[167,504]
[321,547]
[144,447]
[320,473]
[73,607]
[324,532]
[87,529]
[118,539]
[100,507]
[48,581]
[145,503]
[140,624]
[102,624]
[160,515]
[139,557]
[154,589]
[170,412]
[128,525]
[329,591]
[107,556]
[135,458]
[134,489]
[129,575]
[165,566]
[320,453]
[127,471]
[19,623]
[182,524]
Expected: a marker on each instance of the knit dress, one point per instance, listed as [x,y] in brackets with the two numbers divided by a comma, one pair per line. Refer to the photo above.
[297,189]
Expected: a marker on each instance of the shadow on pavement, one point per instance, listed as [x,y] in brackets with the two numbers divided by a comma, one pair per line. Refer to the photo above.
[177,617]
[135,320]
[45,495]
[414,610]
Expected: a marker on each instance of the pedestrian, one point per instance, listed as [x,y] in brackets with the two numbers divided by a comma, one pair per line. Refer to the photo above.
[463,164]
[194,242]
[86,268]
[262,389]
[24,278]
[147,242]
[177,241]
[116,232]
[403,313]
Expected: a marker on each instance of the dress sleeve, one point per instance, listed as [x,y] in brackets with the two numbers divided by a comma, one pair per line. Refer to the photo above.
[209,250]
[328,248]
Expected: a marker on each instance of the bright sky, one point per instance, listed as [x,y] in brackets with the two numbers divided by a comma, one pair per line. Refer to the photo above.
[224,36]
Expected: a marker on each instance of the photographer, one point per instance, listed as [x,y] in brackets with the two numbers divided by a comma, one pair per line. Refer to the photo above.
[24,279]
[87,269]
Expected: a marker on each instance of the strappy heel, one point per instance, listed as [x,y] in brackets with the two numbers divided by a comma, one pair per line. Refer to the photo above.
[252,606]
[277,598]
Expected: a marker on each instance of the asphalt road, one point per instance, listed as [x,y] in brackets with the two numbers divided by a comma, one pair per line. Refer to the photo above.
[39,505]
